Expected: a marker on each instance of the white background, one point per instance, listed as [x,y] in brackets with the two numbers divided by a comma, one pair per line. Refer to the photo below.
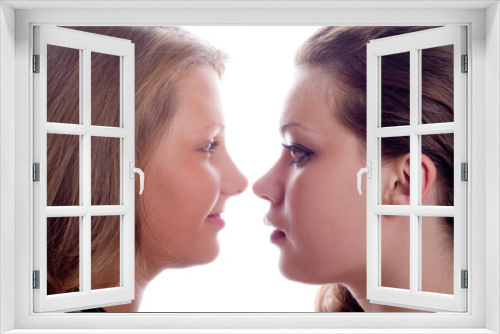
[245,277]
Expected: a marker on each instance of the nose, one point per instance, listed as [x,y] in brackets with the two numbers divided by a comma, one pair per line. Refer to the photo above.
[269,187]
[234,181]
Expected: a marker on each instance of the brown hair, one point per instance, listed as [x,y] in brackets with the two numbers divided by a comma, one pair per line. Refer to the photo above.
[341,52]
[162,55]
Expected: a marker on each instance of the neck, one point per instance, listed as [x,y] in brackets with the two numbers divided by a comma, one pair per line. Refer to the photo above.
[141,282]
[358,290]
[143,275]
[133,306]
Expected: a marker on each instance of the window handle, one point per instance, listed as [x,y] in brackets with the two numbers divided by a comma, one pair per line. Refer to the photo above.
[138,171]
[368,171]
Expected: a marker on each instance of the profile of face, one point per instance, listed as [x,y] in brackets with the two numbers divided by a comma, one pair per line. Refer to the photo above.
[318,215]
[314,205]
[189,178]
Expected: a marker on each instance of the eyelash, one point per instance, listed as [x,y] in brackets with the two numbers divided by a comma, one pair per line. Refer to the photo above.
[210,148]
[305,154]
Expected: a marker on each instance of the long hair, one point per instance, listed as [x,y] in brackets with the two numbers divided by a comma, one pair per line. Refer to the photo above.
[341,52]
[162,55]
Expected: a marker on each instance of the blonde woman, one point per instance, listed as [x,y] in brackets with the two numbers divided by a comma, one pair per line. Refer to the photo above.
[179,145]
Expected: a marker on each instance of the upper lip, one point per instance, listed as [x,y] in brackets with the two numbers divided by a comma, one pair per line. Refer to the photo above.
[269,222]
[215,214]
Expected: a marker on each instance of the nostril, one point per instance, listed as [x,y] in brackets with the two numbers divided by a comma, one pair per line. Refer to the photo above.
[238,191]
[266,197]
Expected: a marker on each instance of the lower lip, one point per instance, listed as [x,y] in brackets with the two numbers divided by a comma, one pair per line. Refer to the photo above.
[277,236]
[216,220]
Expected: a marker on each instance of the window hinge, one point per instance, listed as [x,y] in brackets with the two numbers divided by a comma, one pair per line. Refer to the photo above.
[36,279]
[36,172]
[36,63]
[465,64]
[465,279]
[464,172]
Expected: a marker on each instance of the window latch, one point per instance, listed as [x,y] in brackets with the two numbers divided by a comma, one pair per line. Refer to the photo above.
[133,170]
[368,171]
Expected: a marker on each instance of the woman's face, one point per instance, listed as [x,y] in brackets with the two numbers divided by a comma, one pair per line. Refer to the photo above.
[314,205]
[189,177]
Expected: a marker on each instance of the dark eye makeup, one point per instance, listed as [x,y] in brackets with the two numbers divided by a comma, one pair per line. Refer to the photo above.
[210,148]
[299,153]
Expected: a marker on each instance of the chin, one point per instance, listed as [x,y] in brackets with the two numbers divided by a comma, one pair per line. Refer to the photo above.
[298,273]
[202,256]
[208,255]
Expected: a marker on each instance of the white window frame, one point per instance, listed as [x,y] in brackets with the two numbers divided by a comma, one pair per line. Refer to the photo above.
[85,43]
[413,43]
[16,21]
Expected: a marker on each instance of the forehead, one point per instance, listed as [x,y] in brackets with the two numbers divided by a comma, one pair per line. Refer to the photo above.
[311,99]
[199,96]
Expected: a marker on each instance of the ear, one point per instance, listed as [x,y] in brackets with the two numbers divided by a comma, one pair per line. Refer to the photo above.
[429,175]
[396,181]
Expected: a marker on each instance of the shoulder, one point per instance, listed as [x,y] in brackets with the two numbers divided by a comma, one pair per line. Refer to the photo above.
[335,298]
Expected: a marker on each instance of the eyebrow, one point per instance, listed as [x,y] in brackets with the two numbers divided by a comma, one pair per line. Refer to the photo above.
[286,126]
[215,126]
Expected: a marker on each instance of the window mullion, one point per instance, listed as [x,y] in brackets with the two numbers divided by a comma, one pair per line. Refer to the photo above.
[81,109]
[86,168]
[414,169]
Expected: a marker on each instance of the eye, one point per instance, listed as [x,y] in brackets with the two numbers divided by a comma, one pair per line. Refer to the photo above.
[299,153]
[210,148]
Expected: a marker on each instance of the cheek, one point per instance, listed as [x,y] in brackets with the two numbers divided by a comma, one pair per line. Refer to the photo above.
[327,216]
[178,201]
[325,194]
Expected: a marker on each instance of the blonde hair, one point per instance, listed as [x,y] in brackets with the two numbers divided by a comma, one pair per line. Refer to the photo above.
[162,54]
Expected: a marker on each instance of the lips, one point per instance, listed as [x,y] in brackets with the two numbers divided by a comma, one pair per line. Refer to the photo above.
[277,234]
[216,220]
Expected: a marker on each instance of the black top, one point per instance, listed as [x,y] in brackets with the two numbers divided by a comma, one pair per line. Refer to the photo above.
[99,309]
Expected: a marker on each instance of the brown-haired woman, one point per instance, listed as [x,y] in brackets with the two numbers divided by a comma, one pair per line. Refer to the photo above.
[319,217]
[179,146]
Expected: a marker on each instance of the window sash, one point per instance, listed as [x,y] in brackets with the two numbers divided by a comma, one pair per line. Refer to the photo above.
[86,43]
[413,43]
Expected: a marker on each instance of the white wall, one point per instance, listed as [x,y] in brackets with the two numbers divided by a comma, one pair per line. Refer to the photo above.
[492,163]
[7,160]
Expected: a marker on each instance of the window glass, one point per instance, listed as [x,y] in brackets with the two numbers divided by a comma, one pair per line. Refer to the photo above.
[67,256]
[395,228]
[395,77]
[63,85]
[431,64]
[105,240]
[105,109]
[105,153]
[63,170]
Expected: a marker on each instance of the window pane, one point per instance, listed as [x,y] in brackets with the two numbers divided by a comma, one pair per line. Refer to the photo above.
[105,171]
[105,89]
[439,149]
[437,254]
[63,85]
[63,170]
[63,255]
[395,99]
[437,85]
[105,252]
[395,185]
[395,252]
